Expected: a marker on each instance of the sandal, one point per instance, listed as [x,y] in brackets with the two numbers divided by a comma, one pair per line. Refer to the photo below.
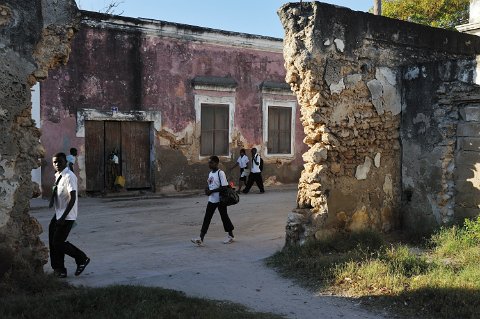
[81,267]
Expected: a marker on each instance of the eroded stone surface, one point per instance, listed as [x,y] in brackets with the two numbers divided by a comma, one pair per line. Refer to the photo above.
[349,71]
[34,37]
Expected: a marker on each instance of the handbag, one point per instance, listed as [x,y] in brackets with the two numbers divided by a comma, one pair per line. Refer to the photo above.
[228,195]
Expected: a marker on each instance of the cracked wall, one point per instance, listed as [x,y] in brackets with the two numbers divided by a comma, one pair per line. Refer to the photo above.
[350,73]
[151,66]
[34,37]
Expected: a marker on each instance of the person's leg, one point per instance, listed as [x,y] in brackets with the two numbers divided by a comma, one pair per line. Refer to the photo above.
[51,246]
[72,251]
[60,234]
[208,218]
[259,182]
[227,223]
[249,183]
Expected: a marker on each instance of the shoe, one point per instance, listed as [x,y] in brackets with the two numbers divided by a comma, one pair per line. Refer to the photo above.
[60,273]
[81,267]
[228,240]
[244,192]
[261,192]
[197,241]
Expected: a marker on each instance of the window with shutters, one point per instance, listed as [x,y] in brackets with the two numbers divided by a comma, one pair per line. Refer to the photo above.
[279,127]
[214,138]
[279,130]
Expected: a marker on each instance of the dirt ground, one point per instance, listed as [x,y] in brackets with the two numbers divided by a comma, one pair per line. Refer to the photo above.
[146,241]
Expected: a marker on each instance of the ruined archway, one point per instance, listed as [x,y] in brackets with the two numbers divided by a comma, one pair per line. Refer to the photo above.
[34,37]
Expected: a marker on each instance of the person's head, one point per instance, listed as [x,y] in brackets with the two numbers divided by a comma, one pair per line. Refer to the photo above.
[242,152]
[254,151]
[213,162]
[73,151]
[59,161]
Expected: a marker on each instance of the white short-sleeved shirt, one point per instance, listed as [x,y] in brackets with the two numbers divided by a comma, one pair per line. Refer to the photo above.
[67,184]
[214,182]
[243,161]
[71,159]
[255,167]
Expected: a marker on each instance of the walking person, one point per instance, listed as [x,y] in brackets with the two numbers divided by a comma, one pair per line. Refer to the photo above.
[64,200]
[255,173]
[216,181]
[71,159]
[242,162]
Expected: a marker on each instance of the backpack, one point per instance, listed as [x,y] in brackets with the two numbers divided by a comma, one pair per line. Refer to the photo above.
[260,166]
[228,195]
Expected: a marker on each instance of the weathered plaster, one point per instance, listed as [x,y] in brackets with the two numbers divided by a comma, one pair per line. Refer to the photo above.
[34,37]
[156,66]
[370,103]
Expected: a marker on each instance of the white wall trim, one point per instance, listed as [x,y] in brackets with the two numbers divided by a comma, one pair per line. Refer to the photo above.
[205,99]
[266,103]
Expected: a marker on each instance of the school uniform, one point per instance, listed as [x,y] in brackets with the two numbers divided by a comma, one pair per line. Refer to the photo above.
[215,180]
[255,175]
[66,182]
[243,164]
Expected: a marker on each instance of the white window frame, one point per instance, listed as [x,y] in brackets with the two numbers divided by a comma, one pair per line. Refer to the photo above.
[267,102]
[225,100]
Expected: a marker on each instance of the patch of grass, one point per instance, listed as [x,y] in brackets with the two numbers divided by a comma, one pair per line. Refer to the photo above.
[313,264]
[24,294]
[120,302]
[442,281]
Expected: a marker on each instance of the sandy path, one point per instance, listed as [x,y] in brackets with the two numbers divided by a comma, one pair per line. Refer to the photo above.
[147,242]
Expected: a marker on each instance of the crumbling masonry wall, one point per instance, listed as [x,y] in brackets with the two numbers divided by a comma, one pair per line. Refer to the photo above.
[34,37]
[354,76]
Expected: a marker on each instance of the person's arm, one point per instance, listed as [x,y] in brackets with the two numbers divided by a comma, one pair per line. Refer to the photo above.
[70,166]
[71,202]
[254,159]
[236,164]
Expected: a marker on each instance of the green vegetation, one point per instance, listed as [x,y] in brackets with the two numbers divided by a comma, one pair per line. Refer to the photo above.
[439,280]
[439,13]
[23,295]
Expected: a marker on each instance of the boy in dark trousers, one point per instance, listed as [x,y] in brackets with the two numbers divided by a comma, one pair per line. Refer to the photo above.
[255,173]
[216,181]
[242,162]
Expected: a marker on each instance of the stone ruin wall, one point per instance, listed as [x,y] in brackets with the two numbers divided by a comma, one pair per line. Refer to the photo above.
[347,69]
[34,37]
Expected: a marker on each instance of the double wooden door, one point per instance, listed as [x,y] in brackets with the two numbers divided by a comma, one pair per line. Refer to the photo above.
[130,141]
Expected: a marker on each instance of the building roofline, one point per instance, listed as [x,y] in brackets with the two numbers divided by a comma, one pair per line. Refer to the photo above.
[182,31]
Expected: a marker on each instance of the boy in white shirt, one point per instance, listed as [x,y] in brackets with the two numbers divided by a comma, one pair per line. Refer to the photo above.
[242,161]
[255,173]
[72,158]
[216,181]
[64,200]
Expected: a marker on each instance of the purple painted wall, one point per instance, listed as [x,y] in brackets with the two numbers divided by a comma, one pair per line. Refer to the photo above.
[136,70]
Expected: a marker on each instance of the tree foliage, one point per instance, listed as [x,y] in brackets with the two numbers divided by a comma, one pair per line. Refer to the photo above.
[436,13]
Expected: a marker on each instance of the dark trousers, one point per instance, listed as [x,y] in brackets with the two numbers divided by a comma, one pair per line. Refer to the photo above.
[257,178]
[59,247]
[227,223]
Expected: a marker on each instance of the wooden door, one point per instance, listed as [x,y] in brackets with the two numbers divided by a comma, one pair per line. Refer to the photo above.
[136,154]
[113,143]
[94,155]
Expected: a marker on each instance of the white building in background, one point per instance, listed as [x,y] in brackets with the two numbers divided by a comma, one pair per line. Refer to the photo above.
[36,173]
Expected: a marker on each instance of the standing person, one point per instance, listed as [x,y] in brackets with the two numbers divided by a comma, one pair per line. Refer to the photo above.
[64,200]
[255,173]
[242,161]
[216,181]
[72,158]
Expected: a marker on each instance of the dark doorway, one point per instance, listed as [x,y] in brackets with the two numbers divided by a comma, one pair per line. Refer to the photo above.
[131,143]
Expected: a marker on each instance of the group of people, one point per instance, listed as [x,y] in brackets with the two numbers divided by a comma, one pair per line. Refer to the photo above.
[64,200]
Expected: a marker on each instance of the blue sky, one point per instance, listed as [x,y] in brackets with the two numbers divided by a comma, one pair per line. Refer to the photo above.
[249,16]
